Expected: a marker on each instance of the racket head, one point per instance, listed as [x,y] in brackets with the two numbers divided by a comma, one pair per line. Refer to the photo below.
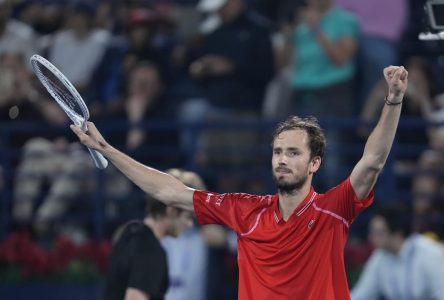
[61,89]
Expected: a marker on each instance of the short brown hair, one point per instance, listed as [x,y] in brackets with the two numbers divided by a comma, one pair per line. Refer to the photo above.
[316,142]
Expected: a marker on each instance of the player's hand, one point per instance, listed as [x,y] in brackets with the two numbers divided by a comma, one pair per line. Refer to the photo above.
[397,81]
[91,138]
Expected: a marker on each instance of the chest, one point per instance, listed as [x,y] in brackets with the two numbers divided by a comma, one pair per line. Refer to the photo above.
[309,233]
[234,42]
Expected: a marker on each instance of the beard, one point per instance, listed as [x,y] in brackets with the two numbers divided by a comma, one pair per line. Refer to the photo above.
[288,187]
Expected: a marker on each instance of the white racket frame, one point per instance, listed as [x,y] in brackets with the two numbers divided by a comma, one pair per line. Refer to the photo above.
[100,161]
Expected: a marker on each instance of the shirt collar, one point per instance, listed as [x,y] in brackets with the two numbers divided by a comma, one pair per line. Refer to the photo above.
[300,209]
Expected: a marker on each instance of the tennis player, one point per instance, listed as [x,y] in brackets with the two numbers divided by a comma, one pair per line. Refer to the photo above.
[290,245]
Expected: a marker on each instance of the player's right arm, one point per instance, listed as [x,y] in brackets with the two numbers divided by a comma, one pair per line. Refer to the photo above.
[155,183]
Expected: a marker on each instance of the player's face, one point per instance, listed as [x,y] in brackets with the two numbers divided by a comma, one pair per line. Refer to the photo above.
[379,234]
[291,162]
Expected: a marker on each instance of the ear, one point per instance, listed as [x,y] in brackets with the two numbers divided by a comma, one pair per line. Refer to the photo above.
[315,164]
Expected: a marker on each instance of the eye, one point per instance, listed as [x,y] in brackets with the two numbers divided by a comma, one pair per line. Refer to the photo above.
[293,153]
[276,152]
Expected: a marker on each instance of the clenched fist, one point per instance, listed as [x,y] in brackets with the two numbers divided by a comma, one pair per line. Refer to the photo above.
[397,81]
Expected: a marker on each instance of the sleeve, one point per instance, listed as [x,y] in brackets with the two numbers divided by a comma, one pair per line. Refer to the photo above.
[343,201]
[147,271]
[233,210]
[367,288]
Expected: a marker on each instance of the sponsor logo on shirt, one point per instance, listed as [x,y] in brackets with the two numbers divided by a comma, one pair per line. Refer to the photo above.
[311,223]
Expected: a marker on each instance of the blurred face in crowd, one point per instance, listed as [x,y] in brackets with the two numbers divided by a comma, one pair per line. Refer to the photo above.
[139,35]
[80,21]
[178,221]
[145,82]
[379,233]
[230,9]
[291,161]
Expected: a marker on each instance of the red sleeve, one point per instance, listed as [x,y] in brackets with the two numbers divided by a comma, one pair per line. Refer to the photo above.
[343,201]
[233,210]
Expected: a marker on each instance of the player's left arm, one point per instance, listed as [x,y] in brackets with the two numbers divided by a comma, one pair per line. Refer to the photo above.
[379,143]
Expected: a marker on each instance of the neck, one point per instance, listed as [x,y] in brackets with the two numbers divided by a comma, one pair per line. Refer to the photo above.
[81,33]
[157,226]
[233,15]
[289,201]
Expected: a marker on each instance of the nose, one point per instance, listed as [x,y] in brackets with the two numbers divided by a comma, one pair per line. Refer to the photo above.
[282,160]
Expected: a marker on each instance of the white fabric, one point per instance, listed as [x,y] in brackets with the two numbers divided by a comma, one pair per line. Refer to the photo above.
[187,264]
[78,58]
[417,273]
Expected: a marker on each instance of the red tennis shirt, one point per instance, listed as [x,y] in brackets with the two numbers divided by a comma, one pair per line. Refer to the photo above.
[298,259]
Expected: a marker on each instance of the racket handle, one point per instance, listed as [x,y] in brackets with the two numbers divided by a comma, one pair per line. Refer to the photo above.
[98,158]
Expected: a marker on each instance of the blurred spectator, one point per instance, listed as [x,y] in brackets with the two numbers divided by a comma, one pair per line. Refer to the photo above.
[17,87]
[232,67]
[80,43]
[138,267]
[382,24]
[236,62]
[428,190]
[421,97]
[21,99]
[45,17]
[145,101]
[404,265]
[321,52]
[55,177]
[141,40]
[15,36]
[187,254]
[324,46]
[190,254]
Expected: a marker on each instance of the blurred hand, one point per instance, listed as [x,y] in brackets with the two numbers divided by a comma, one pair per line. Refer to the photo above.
[397,81]
[211,65]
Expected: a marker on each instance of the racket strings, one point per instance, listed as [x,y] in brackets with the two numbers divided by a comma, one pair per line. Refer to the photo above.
[61,94]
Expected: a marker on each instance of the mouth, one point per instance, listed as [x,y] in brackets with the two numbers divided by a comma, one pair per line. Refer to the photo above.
[282,171]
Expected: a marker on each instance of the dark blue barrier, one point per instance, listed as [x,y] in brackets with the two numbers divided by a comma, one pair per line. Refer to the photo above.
[51,291]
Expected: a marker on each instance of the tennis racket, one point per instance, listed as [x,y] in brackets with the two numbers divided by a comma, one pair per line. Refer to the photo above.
[67,97]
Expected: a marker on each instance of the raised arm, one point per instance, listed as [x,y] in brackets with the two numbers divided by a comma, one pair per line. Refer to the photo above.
[155,183]
[379,143]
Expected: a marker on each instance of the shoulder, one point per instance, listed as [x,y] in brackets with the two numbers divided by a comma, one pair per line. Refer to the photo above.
[428,247]
[343,187]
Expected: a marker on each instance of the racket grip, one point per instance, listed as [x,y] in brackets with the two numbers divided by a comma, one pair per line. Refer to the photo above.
[98,158]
